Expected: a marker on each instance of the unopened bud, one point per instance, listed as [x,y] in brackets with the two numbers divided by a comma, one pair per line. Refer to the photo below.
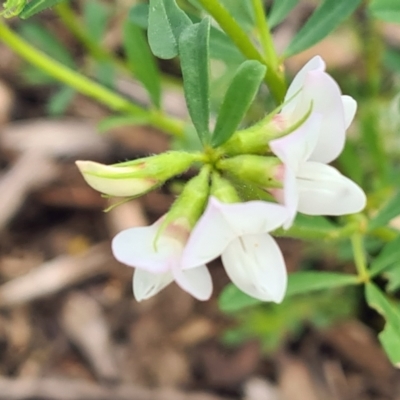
[136,177]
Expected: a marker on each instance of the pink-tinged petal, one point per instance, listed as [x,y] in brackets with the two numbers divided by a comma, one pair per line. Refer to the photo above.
[256,266]
[146,284]
[291,197]
[296,147]
[350,109]
[324,94]
[136,247]
[323,190]
[315,64]
[195,281]
[221,223]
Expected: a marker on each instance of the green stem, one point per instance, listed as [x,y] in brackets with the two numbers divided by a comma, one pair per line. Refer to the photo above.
[357,242]
[265,34]
[85,85]
[274,81]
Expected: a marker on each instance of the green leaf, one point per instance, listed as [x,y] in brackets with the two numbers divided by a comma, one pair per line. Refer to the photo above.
[105,73]
[309,281]
[47,42]
[390,340]
[59,102]
[393,277]
[11,8]
[222,48]
[36,6]
[233,299]
[386,10]
[96,16]
[113,122]
[310,227]
[379,302]
[242,11]
[390,210]
[166,23]
[324,20]
[387,258]
[280,9]
[141,61]
[238,98]
[139,15]
[194,52]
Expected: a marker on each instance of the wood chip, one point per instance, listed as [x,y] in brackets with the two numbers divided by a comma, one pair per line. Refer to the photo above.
[30,171]
[64,389]
[55,275]
[85,325]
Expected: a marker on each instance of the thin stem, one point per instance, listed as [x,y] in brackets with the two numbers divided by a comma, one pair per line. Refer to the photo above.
[265,34]
[274,81]
[85,85]
[357,242]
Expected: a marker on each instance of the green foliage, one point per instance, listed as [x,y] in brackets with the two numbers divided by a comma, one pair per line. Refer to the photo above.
[390,340]
[166,23]
[139,15]
[194,52]
[232,299]
[389,210]
[60,101]
[273,323]
[113,122]
[36,6]
[47,42]
[141,61]
[238,98]
[386,10]
[387,258]
[311,227]
[390,337]
[280,9]
[96,16]
[328,16]
[11,8]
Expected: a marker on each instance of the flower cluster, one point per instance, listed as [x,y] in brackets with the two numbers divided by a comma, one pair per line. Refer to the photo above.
[251,185]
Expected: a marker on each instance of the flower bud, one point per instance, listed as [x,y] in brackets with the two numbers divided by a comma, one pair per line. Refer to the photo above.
[191,203]
[255,140]
[134,178]
[264,172]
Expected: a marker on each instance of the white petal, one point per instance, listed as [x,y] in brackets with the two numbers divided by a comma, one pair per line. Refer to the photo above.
[221,223]
[256,266]
[195,281]
[350,108]
[136,247]
[324,94]
[315,64]
[146,284]
[323,190]
[296,148]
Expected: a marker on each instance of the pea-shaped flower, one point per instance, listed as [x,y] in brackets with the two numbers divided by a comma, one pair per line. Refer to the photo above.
[156,251]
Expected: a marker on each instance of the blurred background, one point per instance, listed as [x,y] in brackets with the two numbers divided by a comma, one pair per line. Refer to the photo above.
[69,326]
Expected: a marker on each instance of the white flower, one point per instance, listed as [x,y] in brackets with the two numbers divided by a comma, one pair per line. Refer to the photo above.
[239,233]
[310,185]
[157,258]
